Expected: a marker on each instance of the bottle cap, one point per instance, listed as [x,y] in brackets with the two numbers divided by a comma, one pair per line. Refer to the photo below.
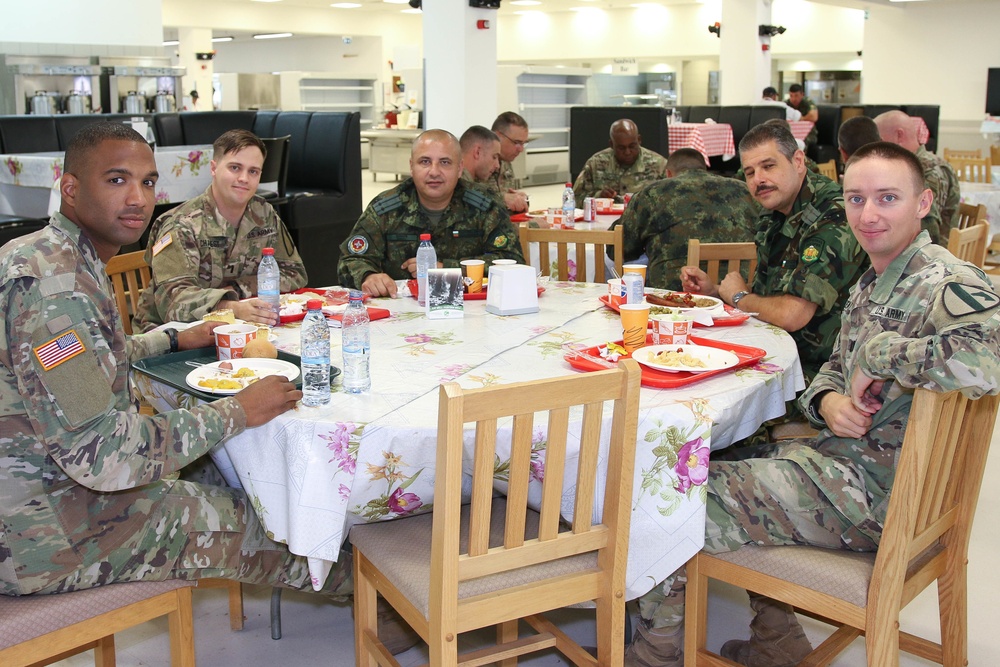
[314,304]
[267,251]
[425,237]
[356,295]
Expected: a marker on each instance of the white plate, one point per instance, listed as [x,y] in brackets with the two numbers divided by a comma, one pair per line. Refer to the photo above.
[713,357]
[262,367]
[716,303]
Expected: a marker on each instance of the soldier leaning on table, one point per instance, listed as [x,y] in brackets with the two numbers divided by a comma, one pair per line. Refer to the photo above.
[465,220]
[624,167]
[512,130]
[918,317]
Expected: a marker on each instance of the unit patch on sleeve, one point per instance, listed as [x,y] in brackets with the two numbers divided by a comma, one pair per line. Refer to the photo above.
[358,245]
[811,253]
[500,241]
[960,300]
[58,350]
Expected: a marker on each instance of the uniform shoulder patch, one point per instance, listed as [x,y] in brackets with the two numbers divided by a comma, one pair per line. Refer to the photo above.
[162,243]
[500,241]
[59,350]
[357,245]
[388,204]
[961,300]
[812,252]
[476,199]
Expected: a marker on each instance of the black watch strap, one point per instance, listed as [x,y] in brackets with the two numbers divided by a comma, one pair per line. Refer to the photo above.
[172,335]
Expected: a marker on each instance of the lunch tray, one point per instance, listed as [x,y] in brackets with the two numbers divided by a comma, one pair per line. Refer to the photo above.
[334,297]
[748,356]
[736,316]
[478,296]
[172,369]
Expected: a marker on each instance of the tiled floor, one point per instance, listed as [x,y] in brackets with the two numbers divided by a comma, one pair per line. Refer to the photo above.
[316,632]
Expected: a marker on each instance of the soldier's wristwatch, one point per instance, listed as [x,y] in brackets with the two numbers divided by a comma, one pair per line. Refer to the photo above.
[738,297]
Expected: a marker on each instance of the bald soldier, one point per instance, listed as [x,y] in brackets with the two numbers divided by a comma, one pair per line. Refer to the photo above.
[625,166]
[465,220]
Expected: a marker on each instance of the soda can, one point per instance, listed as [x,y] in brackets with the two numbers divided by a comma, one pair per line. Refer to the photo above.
[627,197]
[588,210]
[632,283]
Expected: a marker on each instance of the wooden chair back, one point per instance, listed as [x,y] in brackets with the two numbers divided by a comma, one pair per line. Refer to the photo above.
[925,540]
[995,153]
[828,169]
[970,214]
[953,153]
[130,274]
[973,170]
[581,239]
[718,259]
[970,243]
[548,563]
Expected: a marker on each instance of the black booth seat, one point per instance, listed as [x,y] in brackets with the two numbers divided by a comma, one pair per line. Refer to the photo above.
[28,134]
[263,123]
[762,113]
[167,127]
[13,226]
[699,114]
[205,127]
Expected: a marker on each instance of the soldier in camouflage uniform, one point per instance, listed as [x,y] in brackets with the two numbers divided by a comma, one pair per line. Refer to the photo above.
[805,106]
[512,130]
[465,221]
[624,167]
[807,258]
[690,203]
[204,254]
[87,491]
[897,127]
[918,317]
[480,155]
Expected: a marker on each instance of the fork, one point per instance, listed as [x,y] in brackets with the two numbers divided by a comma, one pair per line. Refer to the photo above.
[198,364]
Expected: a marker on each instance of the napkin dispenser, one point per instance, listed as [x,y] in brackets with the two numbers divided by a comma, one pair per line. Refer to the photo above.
[512,290]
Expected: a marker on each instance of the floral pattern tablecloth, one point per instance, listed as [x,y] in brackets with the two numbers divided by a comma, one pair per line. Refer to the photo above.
[314,472]
[28,182]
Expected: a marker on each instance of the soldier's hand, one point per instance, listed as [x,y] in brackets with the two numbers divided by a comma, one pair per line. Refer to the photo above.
[200,335]
[696,281]
[608,193]
[267,398]
[732,284]
[516,201]
[864,393]
[379,284]
[255,310]
[842,417]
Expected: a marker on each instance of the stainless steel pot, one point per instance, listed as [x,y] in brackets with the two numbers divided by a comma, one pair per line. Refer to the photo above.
[41,104]
[77,103]
[134,103]
[164,103]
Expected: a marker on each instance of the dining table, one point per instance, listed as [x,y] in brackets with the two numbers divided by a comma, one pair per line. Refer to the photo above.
[987,194]
[313,472]
[29,182]
[709,139]
[602,222]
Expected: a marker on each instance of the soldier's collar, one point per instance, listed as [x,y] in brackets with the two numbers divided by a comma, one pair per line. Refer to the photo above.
[886,283]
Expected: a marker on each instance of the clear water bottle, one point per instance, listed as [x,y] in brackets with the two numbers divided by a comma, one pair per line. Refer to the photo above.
[269,280]
[426,259]
[315,346]
[569,207]
[357,346]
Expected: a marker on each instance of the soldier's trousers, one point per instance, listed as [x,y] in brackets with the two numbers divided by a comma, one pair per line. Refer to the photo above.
[766,500]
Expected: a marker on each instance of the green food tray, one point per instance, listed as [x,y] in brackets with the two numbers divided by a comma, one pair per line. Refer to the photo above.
[172,369]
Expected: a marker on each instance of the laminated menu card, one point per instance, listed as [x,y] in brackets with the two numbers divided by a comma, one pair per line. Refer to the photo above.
[445,289]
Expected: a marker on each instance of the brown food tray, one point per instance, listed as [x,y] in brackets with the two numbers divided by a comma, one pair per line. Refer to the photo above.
[651,377]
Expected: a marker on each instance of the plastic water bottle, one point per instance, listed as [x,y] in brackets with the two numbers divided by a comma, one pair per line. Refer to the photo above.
[269,280]
[569,207]
[426,259]
[315,345]
[357,346]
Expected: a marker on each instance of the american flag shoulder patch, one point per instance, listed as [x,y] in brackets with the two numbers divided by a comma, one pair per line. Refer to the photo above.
[58,350]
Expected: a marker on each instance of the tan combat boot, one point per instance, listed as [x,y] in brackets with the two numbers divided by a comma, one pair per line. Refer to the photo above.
[656,647]
[776,638]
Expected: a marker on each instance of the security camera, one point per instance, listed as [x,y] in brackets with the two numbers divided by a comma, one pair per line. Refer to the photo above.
[716,29]
[415,4]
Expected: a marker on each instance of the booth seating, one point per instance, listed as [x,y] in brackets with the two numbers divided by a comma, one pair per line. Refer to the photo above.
[832,115]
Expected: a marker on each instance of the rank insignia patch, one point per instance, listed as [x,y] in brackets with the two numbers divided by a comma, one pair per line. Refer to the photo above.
[358,245]
[58,350]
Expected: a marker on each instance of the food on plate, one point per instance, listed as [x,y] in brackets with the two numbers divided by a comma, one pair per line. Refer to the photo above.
[220,383]
[226,366]
[680,300]
[678,357]
[289,309]
[259,348]
[222,315]
[538,213]
[245,373]
[611,351]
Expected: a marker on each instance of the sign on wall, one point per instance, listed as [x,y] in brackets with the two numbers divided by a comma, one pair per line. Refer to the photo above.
[625,67]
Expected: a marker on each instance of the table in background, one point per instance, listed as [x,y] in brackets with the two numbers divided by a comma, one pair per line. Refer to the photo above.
[800,128]
[313,472]
[707,138]
[28,182]
[390,151]
[602,223]
[987,194]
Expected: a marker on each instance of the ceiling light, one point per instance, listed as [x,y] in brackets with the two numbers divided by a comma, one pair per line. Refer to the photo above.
[396,2]
[345,5]
[273,35]
[216,40]
[265,0]
[171,42]
[525,3]
[410,11]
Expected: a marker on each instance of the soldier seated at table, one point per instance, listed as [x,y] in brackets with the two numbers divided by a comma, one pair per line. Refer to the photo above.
[204,254]
[465,220]
[807,258]
[624,167]
[512,130]
[480,155]
[689,203]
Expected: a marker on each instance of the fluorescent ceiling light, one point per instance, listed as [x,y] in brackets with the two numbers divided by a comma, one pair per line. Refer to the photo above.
[526,3]
[396,2]
[215,40]
[410,11]
[265,0]
[906,0]
[345,5]
[273,35]
[171,42]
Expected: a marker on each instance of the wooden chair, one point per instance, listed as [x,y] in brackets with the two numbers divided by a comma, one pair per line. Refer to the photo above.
[130,274]
[828,169]
[952,153]
[721,258]
[973,170]
[995,153]
[970,243]
[970,214]
[580,238]
[39,630]
[494,562]
[925,539]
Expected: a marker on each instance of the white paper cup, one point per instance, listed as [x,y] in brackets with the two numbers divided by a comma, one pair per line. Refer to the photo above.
[672,329]
[616,291]
[504,262]
[232,338]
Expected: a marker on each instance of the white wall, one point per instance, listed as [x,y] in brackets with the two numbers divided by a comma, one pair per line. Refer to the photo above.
[136,22]
[308,54]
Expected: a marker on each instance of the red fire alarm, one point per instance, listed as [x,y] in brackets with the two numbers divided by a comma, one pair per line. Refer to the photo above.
[483,25]
[765,47]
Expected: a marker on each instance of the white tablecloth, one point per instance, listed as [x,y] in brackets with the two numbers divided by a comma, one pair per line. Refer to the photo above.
[313,472]
[28,182]
[987,194]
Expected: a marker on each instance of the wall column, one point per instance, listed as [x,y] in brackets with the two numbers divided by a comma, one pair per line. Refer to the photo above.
[745,67]
[199,72]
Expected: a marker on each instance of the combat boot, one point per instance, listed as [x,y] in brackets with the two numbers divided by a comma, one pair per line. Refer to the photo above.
[776,638]
[656,647]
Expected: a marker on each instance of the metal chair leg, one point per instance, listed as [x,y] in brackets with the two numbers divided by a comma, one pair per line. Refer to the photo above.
[275,613]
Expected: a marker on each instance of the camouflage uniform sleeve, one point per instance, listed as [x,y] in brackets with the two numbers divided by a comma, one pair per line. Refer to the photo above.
[363,251]
[177,292]
[584,186]
[949,202]
[960,351]
[152,344]
[829,378]
[293,270]
[81,408]
[830,261]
